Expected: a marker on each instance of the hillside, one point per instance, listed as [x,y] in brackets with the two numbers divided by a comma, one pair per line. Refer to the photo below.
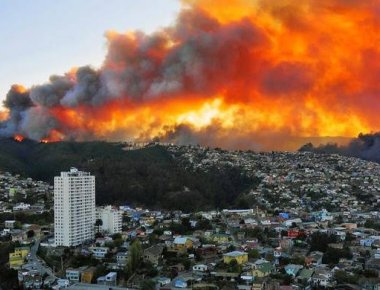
[191,177]
[149,176]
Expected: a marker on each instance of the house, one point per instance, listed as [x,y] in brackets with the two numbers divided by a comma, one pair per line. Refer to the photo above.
[180,283]
[21,206]
[240,257]
[182,244]
[321,277]
[110,279]
[262,268]
[15,261]
[200,268]
[162,281]
[99,252]
[366,242]
[74,275]
[88,275]
[314,258]
[304,276]
[63,283]
[220,238]
[121,258]
[247,277]
[30,279]
[17,258]
[9,224]
[293,233]
[153,254]
[18,235]
[290,222]
[293,269]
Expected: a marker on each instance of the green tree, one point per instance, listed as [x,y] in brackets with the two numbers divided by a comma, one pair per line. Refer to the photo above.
[253,254]
[234,266]
[319,241]
[344,277]
[134,258]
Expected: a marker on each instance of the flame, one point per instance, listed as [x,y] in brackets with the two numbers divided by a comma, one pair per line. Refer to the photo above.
[238,71]
[18,138]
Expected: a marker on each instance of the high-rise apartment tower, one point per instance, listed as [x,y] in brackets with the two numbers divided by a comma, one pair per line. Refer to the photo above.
[74,208]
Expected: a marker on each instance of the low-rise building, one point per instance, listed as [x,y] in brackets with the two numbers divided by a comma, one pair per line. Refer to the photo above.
[240,257]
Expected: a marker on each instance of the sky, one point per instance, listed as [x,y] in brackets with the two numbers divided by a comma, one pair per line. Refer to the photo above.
[43,37]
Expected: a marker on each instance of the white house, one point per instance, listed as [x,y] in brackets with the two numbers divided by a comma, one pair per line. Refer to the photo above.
[200,268]
[99,252]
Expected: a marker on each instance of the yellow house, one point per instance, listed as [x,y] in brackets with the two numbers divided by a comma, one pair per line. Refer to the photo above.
[220,238]
[182,243]
[23,251]
[262,270]
[17,258]
[88,275]
[240,257]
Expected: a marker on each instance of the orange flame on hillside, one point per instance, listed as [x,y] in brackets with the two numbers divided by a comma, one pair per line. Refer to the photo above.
[18,138]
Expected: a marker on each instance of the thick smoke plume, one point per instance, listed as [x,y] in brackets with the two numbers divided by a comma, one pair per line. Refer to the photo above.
[236,74]
[365,146]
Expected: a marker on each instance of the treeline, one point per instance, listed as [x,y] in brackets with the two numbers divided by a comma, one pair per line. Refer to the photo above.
[150,176]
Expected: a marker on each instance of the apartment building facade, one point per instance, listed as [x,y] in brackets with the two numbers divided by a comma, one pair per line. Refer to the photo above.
[74,208]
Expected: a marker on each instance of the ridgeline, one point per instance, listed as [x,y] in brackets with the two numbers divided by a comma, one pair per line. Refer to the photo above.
[150,176]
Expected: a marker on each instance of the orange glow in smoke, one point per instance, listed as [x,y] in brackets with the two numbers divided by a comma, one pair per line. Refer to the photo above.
[311,69]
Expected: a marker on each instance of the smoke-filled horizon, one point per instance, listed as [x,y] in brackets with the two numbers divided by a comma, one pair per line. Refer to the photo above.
[237,74]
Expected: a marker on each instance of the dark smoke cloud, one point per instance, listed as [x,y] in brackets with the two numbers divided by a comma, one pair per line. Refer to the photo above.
[50,94]
[141,68]
[365,146]
[17,101]
[87,89]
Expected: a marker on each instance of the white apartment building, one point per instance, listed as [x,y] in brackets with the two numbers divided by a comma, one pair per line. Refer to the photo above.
[74,208]
[111,218]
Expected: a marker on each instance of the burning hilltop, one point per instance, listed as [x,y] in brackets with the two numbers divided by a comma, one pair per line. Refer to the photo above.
[237,74]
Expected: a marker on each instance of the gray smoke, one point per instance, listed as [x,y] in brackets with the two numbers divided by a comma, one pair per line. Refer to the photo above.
[50,94]
[17,101]
[365,146]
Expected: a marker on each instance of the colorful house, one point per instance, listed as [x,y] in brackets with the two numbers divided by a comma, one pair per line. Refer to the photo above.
[262,269]
[240,257]
[15,261]
[182,243]
[292,269]
[220,238]
[17,258]
[88,275]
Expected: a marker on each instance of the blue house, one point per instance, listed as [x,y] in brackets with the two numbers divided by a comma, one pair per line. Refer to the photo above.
[180,283]
[293,269]
[366,242]
[283,215]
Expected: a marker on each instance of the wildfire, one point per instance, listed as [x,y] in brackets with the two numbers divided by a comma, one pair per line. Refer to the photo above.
[237,74]
[18,138]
